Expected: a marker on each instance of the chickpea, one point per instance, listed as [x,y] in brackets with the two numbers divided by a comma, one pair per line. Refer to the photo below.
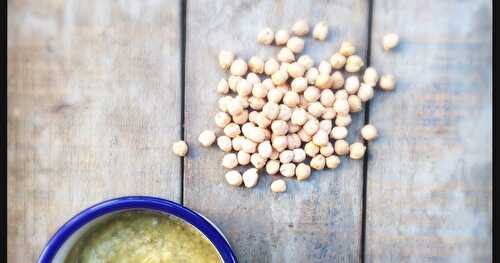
[343,120]
[249,146]
[279,77]
[352,84]
[243,101]
[366,92]
[229,161]
[271,66]
[243,158]
[306,61]
[295,44]
[245,128]
[293,128]
[329,113]
[180,148]
[226,58]
[280,143]
[299,116]
[347,49]
[299,155]
[234,178]
[320,138]
[236,143]
[223,103]
[370,76]
[316,109]
[232,81]
[332,162]
[207,138]
[311,75]
[232,130]
[323,81]
[239,67]
[256,64]
[311,149]
[300,28]
[224,143]
[256,134]
[327,150]
[244,88]
[312,94]
[357,150]
[234,106]
[278,186]
[390,41]
[302,171]
[250,177]
[324,67]
[304,136]
[287,169]
[283,87]
[387,82]
[311,126]
[318,162]
[354,63]
[222,87]
[296,70]
[281,37]
[286,156]
[265,149]
[279,127]
[341,147]
[339,133]
[268,84]
[337,61]
[222,119]
[291,99]
[259,90]
[271,110]
[265,36]
[285,55]
[326,125]
[257,160]
[369,132]
[284,66]
[341,107]
[327,98]
[272,167]
[320,31]
[355,103]
[275,95]
[337,80]
[285,113]
[262,121]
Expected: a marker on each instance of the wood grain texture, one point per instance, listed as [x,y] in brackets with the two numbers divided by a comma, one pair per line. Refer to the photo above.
[94,102]
[429,173]
[318,220]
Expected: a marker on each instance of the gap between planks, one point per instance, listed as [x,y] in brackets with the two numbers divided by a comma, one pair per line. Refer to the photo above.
[183,88]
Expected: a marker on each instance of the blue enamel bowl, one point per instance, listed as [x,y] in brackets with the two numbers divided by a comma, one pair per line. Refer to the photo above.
[63,240]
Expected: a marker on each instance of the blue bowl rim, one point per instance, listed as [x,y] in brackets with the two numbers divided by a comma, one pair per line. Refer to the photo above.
[137,202]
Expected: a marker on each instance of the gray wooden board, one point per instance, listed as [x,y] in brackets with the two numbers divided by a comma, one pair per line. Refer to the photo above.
[429,173]
[318,220]
[93,108]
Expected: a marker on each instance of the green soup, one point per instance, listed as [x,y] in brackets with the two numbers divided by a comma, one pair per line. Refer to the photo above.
[143,237]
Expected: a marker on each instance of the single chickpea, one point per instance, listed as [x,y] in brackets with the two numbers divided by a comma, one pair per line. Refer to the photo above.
[352,84]
[271,66]
[318,162]
[295,44]
[222,87]
[243,158]
[261,120]
[327,98]
[387,82]
[180,148]
[239,67]
[366,92]
[285,113]
[226,58]
[275,95]
[357,150]
[234,178]
[232,81]
[370,76]
[279,127]
[291,99]
[302,171]
[306,61]
[281,37]
[244,88]
[320,138]
[299,116]
[232,130]
[278,186]
[320,31]
[390,41]
[268,84]
[249,146]
[354,63]
[355,103]
[312,94]
[256,134]
[265,149]
[324,67]
[265,36]
[296,70]
[229,161]
[311,75]
[285,55]
[369,132]
[236,143]
[271,110]
[257,161]
[337,61]
[250,177]
[341,147]
[347,49]
[341,106]
[337,79]
[272,167]
[332,162]
[326,125]
[207,138]
[311,149]
[293,128]
[234,106]
[256,64]
[327,150]
[287,169]
[311,126]
[293,141]
[323,81]
[343,120]
[286,156]
[299,155]
[339,133]
[259,90]
[329,113]
[223,103]
[299,84]
[300,28]
[304,136]
[280,143]
[253,78]
[222,119]
[225,143]
[279,77]
[341,94]
[241,118]
[316,109]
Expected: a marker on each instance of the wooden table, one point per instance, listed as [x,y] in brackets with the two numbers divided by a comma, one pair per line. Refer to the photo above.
[97,97]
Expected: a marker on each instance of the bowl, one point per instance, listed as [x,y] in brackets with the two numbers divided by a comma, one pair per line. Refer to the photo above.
[63,240]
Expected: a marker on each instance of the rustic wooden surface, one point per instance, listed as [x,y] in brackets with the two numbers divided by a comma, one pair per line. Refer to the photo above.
[95,103]
[429,174]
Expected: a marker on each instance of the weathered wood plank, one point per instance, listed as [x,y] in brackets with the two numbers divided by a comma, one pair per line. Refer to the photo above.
[94,102]
[429,174]
[315,221]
